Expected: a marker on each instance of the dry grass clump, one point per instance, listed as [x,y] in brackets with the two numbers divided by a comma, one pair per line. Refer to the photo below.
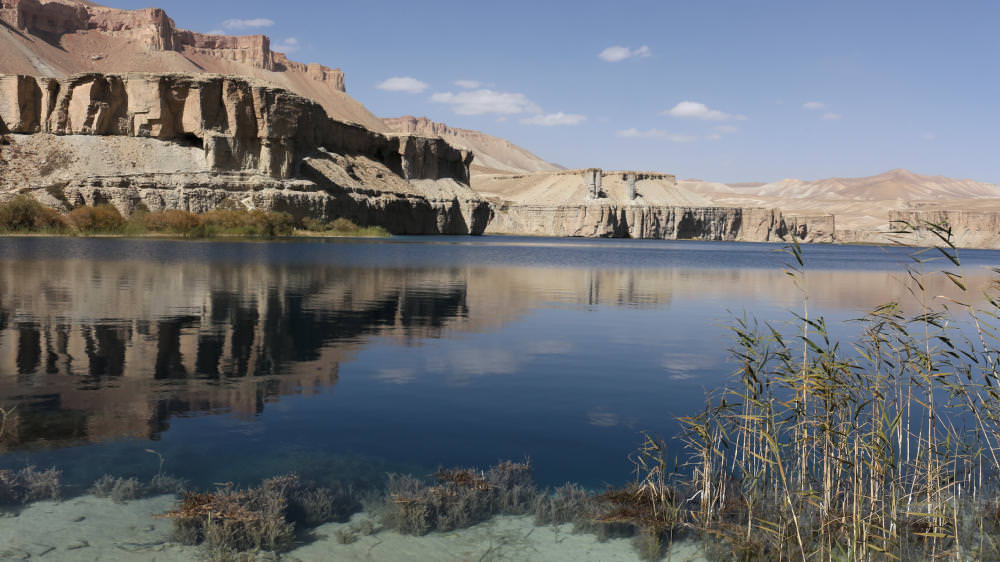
[343,227]
[173,221]
[25,214]
[230,520]
[102,219]
[460,498]
[29,484]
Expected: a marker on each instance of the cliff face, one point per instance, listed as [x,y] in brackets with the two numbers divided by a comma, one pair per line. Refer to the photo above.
[492,153]
[202,141]
[241,125]
[970,229]
[619,220]
[153,29]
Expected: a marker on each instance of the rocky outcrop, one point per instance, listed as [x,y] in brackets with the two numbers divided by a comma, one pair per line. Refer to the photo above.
[619,220]
[153,29]
[492,153]
[174,141]
[241,124]
[969,229]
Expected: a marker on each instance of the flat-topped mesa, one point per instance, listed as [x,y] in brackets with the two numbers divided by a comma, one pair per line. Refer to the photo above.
[152,28]
[242,125]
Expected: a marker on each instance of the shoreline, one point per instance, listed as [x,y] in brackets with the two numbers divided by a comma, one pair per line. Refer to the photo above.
[88,527]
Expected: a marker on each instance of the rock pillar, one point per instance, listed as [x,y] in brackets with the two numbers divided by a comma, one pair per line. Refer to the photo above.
[630,187]
[593,177]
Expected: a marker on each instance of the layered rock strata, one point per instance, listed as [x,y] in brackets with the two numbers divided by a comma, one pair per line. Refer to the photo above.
[615,220]
[152,28]
[251,138]
[631,204]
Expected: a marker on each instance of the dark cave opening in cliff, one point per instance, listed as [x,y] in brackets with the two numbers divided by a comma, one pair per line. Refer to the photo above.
[191,139]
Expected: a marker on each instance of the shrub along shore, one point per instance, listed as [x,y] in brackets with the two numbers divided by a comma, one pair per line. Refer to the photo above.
[25,215]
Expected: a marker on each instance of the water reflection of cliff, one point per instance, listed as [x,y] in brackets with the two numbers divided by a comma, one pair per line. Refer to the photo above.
[95,350]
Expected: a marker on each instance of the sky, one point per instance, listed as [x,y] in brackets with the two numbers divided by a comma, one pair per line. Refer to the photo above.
[717,90]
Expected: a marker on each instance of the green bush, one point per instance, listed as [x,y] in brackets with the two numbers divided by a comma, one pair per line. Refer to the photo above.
[25,214]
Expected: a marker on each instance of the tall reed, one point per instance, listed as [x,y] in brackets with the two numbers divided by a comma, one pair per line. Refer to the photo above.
[886,449]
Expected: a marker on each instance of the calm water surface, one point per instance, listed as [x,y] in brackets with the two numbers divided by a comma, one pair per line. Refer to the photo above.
[348,359]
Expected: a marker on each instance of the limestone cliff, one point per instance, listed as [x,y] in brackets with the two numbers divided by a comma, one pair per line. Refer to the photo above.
[154,30]
[631,204]
[492,153]
[273,148]
[614,220]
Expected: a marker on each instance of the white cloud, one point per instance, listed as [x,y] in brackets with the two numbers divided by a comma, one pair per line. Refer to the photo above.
[255,23]
[468,84]
[634,133]
[928,136]
[479,102]
[550,119]
[619,53]
[697,110]
[814,105]
[289,45]
[407,84]
[830,116]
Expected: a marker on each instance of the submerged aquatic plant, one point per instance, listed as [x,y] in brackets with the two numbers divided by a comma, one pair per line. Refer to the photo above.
[461,497]
[230,520]
[29,484]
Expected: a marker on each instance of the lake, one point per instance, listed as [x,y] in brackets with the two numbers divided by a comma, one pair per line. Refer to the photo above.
[236,361]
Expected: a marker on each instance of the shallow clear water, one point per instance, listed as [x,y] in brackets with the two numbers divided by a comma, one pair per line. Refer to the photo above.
[346,359]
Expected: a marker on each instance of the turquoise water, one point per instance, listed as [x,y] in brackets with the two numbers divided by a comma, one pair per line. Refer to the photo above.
[347,359]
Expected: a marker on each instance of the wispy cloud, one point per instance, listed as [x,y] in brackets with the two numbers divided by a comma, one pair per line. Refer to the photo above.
[406,84]
[468,84]
[618,53]
[288,45]
[820,106]
[698,110]
[928,136]
[255,23]
[551,119]
[480,102]
[718,132]
[634,133]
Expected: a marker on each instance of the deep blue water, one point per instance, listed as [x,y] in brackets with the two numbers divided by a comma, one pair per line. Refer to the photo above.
[346,359]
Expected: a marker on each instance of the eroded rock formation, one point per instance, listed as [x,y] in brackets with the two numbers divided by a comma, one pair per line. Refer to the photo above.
[152,28]
[615,220]
[261,146]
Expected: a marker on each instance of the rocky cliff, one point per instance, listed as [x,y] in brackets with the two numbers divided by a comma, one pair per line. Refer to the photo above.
[615,220]
[154,31]
[492,153]
[631,204]
[236,136]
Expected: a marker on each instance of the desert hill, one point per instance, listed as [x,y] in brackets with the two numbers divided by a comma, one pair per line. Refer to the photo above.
[860,205]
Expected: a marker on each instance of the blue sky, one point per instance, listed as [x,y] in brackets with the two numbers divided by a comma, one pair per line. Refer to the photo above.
[774,89]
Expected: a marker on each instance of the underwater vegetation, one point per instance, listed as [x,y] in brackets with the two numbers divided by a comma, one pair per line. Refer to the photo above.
[27,485]
[264,518]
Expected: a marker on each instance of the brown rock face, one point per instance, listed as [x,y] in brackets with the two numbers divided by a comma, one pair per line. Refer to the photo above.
[198,142]
[153,29]
[241,125]
[617,220]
